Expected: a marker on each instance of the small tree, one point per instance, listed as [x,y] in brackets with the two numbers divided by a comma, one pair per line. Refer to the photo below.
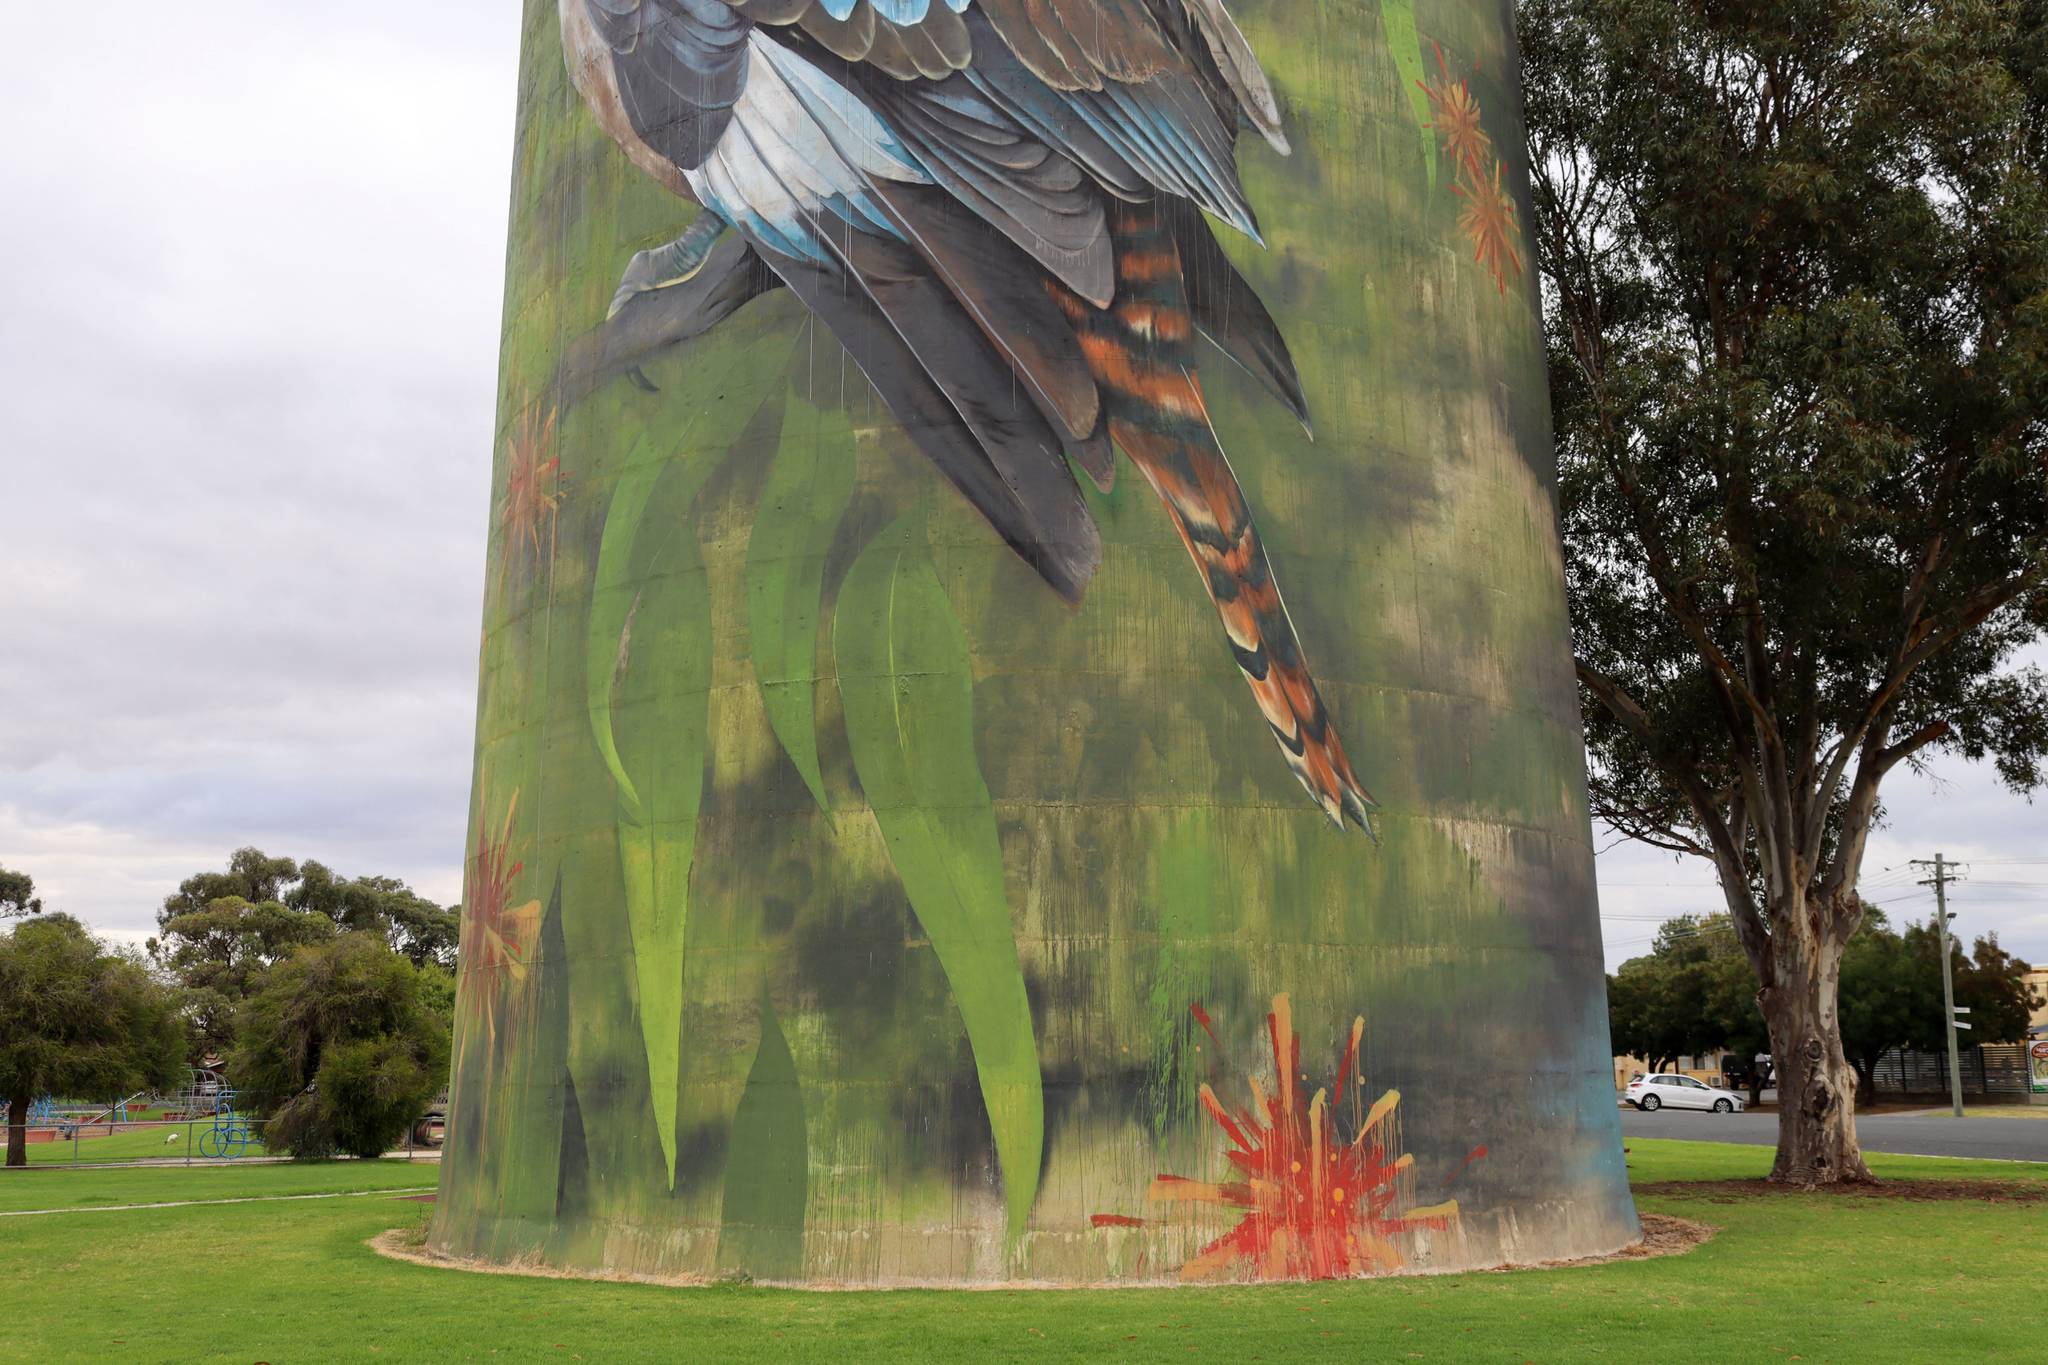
[1667,1003]
[1990,983]
[1884,995]
[1795,274]
[18,895]
[78,1019]
[340,1049]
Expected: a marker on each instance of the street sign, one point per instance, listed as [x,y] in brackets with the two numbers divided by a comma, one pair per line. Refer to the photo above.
[1960,1023]
[1961,1009]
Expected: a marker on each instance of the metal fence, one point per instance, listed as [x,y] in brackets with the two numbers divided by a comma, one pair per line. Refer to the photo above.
[199,1140]
[1990,1069]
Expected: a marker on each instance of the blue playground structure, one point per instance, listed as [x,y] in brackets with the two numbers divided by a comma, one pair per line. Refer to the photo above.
[230,1134]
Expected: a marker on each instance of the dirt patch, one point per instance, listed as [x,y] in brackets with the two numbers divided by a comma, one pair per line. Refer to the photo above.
[418,1198]
[1914,1191]
[1663,1235]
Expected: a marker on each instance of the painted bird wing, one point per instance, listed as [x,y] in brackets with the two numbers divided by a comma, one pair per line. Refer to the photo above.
[835,133]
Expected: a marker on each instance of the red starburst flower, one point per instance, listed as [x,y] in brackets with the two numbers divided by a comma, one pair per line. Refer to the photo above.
[1457,124]
[498,937]
[1315,1207]
[533,489]
[1489,223]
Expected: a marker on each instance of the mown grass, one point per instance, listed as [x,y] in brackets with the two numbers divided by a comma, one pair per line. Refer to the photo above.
[1816,1277]
[137,1142]
[87,1187]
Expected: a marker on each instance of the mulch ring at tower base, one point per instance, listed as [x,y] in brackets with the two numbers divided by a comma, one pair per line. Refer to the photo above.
[1914,1191]
[1663,1235]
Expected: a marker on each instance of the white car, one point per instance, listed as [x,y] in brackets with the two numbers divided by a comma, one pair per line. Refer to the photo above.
[1650,1093]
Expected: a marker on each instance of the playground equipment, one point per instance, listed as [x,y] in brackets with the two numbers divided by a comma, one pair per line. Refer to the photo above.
[230,1135]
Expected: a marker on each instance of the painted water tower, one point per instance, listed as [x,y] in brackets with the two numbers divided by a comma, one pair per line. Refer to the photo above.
[1025,729]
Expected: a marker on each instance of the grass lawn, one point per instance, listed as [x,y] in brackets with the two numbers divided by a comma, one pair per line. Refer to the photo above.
[85,1187]
[1817,1277]
[129,1144]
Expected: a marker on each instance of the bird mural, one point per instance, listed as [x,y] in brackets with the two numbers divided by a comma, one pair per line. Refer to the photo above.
[1002,210]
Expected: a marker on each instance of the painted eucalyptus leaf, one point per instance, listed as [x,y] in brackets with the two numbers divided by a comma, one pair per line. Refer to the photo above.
[694,416]
[808,486]
[662,715]
[908,691]
[649,642]
[1397,18]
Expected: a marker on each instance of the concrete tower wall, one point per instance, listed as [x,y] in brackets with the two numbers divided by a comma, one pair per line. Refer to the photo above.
[882,865]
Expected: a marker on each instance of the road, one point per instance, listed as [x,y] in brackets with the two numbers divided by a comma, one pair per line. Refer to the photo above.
[2008,1139]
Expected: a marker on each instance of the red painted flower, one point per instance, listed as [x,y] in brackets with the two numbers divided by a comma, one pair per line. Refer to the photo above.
[1315,1207]
[1455,112]
[533,490]
[1489,223]
[497,936]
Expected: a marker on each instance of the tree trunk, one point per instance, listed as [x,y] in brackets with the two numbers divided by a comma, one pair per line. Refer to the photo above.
[1816,1085]
[17,1130]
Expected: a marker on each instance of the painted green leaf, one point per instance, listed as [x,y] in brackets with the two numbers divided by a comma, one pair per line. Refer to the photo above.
[706,422]
[611,602]
[663,697]
[1398,19]
[908,690]
[649,639]
[761,1224]
[807,489]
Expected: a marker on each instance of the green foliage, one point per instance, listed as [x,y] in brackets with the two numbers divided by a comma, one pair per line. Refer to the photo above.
[251,875]
[908,688]
[1989,982]
[809,484]
[1695,992]
[341,1047]
[78,1019]
[18,895]
[1668,1004]
[220,952]
[410,923]
[413,925]
[1795,266]
[221,930]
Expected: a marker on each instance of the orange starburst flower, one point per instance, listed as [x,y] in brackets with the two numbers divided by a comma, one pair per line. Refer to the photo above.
[533,489]
[1458,129]
[1315,1207]
[1489,222]
[498,938]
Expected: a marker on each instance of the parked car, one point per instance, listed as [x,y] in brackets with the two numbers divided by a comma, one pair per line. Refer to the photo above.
[1651,1093]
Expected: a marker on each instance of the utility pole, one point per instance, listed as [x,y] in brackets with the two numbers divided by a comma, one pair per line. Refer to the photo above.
[1939,881]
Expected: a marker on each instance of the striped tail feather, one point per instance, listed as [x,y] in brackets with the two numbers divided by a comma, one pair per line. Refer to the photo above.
[1141,351]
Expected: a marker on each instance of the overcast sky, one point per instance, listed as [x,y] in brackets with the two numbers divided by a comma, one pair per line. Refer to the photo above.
[249,301]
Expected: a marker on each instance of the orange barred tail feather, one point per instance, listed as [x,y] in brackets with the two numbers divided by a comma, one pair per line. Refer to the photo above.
[1141,352]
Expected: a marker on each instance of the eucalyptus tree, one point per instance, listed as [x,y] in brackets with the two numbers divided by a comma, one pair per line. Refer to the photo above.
[1795,267]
